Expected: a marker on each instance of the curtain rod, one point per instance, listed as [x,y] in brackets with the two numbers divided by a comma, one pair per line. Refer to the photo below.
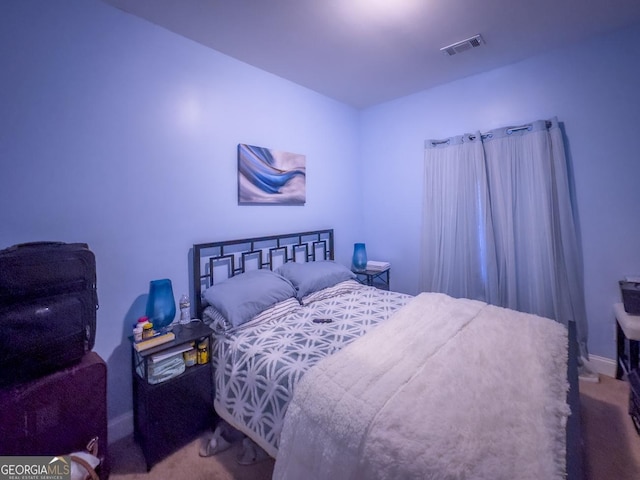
[472,137]
[509,131]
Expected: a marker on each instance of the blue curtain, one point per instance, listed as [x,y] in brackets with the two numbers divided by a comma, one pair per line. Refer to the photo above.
[499,225]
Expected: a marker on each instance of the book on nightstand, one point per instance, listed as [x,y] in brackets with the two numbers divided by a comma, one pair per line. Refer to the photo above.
[377,266]
[154,341]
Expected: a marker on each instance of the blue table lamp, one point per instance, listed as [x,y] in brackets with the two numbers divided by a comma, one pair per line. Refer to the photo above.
[359,261]
[161,306]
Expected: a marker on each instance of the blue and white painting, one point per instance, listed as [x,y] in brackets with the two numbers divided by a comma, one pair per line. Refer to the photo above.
[268,176]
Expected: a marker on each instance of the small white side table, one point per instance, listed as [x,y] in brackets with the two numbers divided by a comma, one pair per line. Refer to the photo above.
[627,330]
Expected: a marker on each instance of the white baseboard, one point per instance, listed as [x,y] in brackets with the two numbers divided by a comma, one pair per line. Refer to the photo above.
[602,365]
[120,427]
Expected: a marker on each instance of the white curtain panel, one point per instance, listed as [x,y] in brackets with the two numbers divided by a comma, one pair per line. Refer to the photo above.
[458,257]
[498,223]
[519,166]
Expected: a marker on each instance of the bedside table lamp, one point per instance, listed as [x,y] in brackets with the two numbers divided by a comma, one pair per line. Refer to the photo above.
[359,256]
[161,306]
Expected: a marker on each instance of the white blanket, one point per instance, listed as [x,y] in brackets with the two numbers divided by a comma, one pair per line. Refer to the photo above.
[446,388]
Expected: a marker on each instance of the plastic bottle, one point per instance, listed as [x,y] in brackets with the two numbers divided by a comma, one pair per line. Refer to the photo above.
[141,330]
[203,352]
[137,333]
[142,320]
[191,356]
[185,310]
[147,330]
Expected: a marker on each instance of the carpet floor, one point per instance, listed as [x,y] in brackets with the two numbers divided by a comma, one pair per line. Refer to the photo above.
[611,446]
[611,443]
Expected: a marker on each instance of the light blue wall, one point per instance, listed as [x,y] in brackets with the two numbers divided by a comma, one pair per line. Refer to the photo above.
[120,134]
[593,88]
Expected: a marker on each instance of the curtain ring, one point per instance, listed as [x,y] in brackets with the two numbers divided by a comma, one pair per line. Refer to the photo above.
[435,143]
[517,129]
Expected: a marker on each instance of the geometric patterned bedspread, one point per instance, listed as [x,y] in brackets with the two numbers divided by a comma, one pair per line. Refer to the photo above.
[258,365]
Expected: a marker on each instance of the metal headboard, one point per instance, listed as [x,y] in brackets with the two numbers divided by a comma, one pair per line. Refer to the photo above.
[216,261]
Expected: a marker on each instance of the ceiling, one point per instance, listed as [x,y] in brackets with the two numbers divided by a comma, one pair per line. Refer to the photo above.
[364,52]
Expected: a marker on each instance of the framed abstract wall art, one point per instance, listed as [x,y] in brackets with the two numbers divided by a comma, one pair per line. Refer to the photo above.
[270,177]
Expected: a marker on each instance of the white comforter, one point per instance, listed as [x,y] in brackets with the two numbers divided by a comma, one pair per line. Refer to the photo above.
[447,388]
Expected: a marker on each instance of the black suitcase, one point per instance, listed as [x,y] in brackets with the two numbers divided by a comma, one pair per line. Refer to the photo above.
[48,305]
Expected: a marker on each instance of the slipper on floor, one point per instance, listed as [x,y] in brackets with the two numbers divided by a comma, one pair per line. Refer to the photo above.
[250,453]
[213,444]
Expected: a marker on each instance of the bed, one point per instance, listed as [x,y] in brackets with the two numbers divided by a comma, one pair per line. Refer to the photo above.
[335,379]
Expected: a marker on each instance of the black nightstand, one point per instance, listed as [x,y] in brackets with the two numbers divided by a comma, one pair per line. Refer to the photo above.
[374,278]
[168,415]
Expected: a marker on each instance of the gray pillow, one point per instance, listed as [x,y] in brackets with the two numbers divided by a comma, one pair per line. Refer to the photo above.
[243,296]
[310,277]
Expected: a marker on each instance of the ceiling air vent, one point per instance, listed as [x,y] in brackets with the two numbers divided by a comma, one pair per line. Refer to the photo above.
[462,46]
